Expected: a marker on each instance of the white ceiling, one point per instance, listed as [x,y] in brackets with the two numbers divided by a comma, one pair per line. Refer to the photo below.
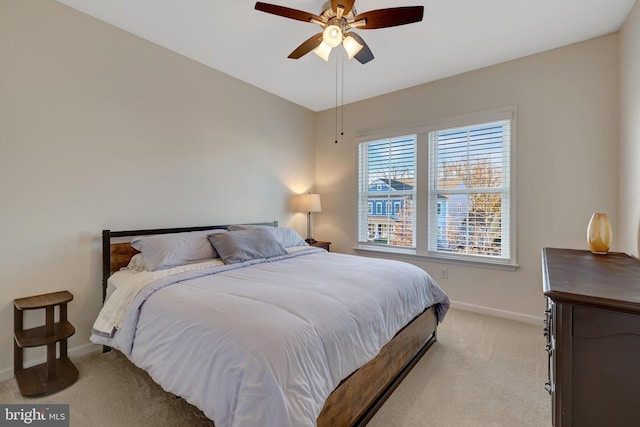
[455,36]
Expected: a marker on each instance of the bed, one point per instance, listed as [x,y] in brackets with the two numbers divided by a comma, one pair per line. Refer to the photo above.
[257,336]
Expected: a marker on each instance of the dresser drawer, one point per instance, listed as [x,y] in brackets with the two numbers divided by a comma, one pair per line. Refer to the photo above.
[604,379]
[591,322]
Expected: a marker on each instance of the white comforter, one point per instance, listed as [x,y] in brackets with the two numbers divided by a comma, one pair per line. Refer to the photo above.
[265,344]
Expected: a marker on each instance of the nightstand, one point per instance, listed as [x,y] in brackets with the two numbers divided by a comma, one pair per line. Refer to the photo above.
[323,245]
[54,374]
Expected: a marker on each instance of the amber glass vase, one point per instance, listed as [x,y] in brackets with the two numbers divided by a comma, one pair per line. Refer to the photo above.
[599,234]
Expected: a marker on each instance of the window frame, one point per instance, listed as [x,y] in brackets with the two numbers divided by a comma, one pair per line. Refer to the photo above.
[423,203]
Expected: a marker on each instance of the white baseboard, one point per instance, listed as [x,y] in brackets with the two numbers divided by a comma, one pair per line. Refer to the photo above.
[80,350]
[526,318]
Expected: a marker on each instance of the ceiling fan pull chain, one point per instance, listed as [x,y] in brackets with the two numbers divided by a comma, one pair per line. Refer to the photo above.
[342,101]
[336,140]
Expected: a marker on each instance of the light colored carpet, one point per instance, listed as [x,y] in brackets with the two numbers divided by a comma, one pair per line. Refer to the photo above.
[483,371]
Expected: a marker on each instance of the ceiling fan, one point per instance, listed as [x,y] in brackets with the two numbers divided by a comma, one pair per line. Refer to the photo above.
[337,19]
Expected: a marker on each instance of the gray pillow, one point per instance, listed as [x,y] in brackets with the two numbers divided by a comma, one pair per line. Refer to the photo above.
[288,237]
[244,245]
[170,250]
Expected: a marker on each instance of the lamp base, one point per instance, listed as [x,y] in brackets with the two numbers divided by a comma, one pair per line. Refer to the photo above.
[310,240]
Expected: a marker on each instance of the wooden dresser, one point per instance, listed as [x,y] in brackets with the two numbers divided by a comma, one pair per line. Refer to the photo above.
[593,337]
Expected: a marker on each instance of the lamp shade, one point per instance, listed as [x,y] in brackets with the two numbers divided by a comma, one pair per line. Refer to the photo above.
[352,46]
[323,51]
[309,203]
[332,35]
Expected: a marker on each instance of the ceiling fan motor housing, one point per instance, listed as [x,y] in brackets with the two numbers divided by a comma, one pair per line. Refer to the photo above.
[326,12]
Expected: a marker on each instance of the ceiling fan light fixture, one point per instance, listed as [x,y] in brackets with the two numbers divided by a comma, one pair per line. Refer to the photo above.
[323,50]
[332,35]
[337,18]
[351,46]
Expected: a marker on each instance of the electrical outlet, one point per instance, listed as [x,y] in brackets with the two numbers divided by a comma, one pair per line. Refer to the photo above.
[444,273]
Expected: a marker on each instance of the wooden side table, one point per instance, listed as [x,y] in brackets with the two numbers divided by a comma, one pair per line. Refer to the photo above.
[323,245]
[54,374]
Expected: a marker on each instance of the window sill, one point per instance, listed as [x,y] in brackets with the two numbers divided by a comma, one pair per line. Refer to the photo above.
[411,254]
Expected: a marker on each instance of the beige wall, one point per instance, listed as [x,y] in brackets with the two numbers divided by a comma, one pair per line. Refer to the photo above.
[629,216]
[100,129]
[567,157]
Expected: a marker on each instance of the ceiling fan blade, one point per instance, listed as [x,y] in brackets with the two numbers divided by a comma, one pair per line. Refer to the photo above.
[365,55]
[286,12]
[347,5]
[391,17]
[306,47]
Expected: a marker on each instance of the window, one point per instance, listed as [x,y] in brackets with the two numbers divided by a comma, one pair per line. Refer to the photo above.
[461,208]
[470,167]
[387,175]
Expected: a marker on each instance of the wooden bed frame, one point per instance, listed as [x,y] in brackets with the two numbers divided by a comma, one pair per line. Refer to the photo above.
[358,397]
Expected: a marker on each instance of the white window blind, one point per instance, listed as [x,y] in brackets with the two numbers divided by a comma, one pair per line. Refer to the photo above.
[387,181]
[470,191]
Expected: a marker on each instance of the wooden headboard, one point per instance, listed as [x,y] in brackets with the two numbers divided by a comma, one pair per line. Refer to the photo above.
[117,255]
